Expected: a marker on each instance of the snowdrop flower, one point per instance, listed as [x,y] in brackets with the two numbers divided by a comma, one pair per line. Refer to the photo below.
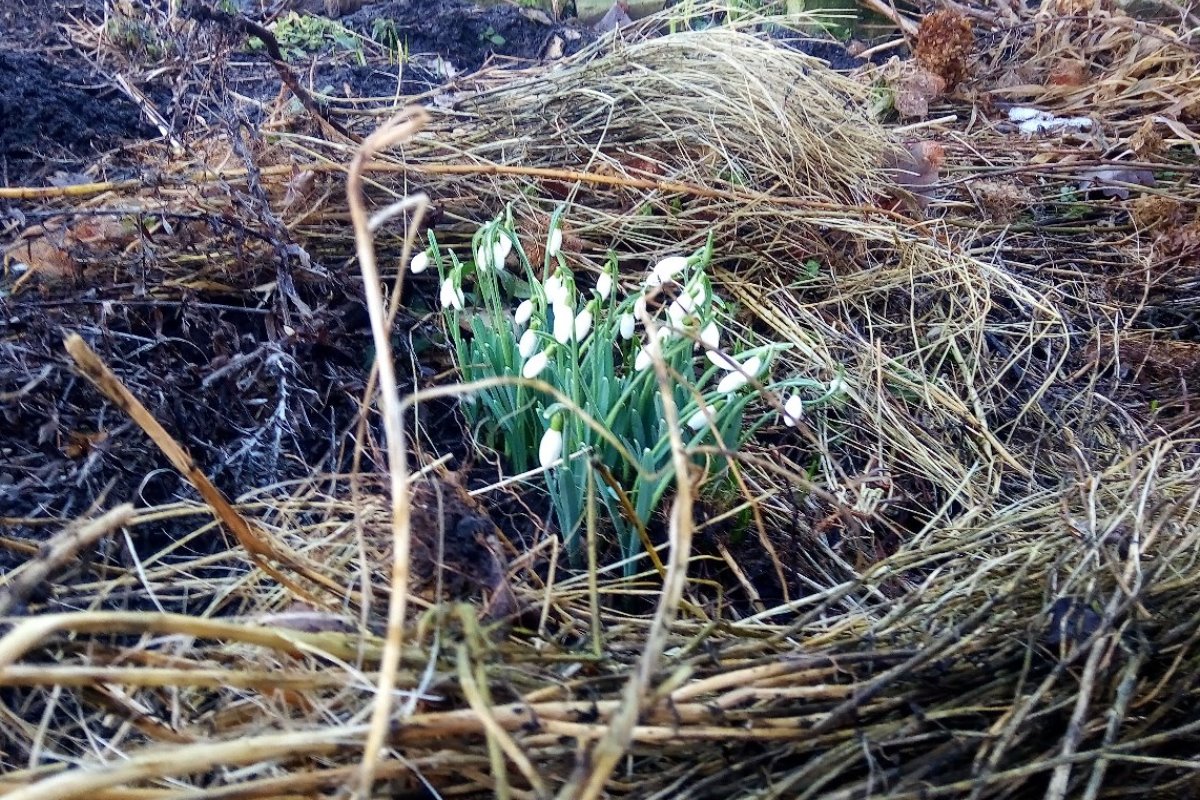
[793,409]
[710,337]
[639,306]
[604,285]
[451,295]
[626,326]
[564,322]
[666,269]
[523,312]
[551,447]
[555,244]
[722,359]
[583,323]
[500,250]
[528,343]
[738,378]
[556,289]
[491,256]
[535,366]
[836,386]
[680,309]
[419,263]
[643,360]
[699,420]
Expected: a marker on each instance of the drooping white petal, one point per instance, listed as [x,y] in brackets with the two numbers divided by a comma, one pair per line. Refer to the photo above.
[535,365]
[550,448]
[639,306]
[500,251]
[583,324]
[556,289]
[451,296]
[668,268]
[419,263]
[564,322]
[700,418]
[722,360]
[604,285]
[528,343]
[731,382]
[793,409]
[555,243]
[626,325]
[710,336]
[643,360]
[523,312]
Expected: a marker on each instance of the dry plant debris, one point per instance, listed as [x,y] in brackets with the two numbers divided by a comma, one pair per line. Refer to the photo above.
[991,542]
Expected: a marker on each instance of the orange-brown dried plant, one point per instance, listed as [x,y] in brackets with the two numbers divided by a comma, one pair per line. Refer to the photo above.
[945,43]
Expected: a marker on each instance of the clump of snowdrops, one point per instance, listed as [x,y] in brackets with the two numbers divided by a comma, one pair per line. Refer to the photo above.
[597,346]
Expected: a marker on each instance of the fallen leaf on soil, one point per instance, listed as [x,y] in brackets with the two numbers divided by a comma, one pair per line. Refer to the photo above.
[1068,72]
[916,170]
[617,17]
[1107,180]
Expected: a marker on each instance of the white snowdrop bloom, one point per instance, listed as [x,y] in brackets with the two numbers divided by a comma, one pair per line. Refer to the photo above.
[836,386]
[737,379]
[564,322]
[643,360]
[419,263]
[523,312]
[680,309]
[731,382]
[793,409]
[604,285]
[535,365]
[500,250]
[639,306]
[666,269]
[583,323]
[555,244]
[451,296]
[700,418]
[528,343]
[710,336]
[722,360]
[550,448]
[556,289]
[626,326]
[698,294]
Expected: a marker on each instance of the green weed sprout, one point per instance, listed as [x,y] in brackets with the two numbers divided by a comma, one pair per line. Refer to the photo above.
[594,346]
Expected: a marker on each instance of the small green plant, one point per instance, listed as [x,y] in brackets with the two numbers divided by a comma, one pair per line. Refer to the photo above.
[597,348]
[490,34]
[386,35]
[301,34]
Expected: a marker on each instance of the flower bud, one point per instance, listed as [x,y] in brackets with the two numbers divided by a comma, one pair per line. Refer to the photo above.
[626,324]
[564,323]
[523,312]
[551,447]
[535,365]
[793,409]
[528,343]
[419,263]
[604,285]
